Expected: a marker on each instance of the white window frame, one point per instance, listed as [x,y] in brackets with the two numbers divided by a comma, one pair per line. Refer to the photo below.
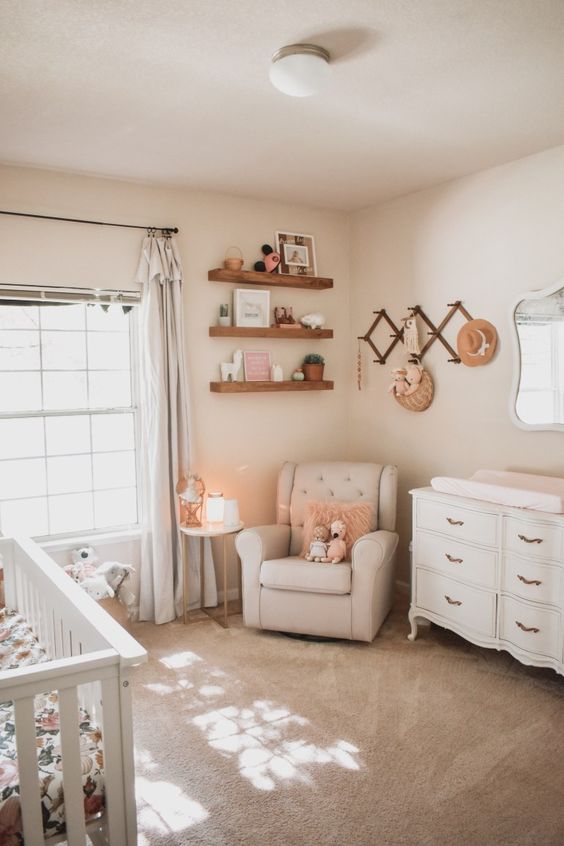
[127,529]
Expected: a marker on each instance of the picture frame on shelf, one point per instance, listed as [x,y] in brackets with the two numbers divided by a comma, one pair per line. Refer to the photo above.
[257,365]
[251,308]
[297,253]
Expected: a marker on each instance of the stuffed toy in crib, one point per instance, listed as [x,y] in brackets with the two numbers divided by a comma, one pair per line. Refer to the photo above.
[100,580]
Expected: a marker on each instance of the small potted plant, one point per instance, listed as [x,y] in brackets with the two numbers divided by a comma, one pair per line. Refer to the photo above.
[224,319]
[312,366]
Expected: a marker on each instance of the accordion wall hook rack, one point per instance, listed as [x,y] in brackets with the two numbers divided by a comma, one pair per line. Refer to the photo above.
[398,334]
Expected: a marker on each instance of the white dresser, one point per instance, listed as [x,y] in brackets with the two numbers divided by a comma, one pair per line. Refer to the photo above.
[492,574]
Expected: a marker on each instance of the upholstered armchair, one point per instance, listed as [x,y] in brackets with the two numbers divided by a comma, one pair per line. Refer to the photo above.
[284,592]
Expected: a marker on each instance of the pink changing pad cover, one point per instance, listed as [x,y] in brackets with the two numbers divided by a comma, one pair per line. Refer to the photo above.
[519,490]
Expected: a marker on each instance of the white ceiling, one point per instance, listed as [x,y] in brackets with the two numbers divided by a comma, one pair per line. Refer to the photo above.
[178,92]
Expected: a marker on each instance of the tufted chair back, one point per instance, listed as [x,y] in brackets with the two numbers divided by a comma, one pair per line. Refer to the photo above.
[341,481]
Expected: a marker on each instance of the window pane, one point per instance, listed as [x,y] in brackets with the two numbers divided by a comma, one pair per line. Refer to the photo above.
[63,350]
[108,351]
[70,513]
[110,321]
[115,508]
[67,435]
[69,474]
[20,391]
[112,432]
[64,390]
[19,317]
[62,317]
[114,470]
[24,516]
[19,350]
[109,389]
[21,438]
[22,477]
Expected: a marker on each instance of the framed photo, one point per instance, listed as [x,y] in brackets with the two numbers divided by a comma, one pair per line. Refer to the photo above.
[257,366]
[251,308]
[297,253]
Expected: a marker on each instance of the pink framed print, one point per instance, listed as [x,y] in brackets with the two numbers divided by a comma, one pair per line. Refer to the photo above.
[257,366]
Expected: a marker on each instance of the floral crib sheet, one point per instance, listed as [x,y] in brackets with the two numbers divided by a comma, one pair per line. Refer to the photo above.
[19,647]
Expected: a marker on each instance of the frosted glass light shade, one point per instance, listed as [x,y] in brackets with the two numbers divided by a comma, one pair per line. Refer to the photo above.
[300,70]
[215,507]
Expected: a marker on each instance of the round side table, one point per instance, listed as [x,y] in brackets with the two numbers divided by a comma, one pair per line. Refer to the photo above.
[207,530]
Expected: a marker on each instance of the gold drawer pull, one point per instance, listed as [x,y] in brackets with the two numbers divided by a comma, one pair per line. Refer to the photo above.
[529,540]
[454,601]
[526,628]
[453,560]
[528,581]
[455,522]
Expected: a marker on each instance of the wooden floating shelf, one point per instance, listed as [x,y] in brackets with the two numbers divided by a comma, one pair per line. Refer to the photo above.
[278,280]
[268,332]
[270,387]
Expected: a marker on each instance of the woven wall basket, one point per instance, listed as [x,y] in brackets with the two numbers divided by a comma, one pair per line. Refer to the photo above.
[423,396]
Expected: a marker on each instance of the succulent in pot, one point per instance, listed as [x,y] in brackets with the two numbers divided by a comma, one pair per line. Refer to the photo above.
[312,366]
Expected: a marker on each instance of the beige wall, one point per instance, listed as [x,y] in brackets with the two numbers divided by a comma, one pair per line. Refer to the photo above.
[484,240]
[239,440]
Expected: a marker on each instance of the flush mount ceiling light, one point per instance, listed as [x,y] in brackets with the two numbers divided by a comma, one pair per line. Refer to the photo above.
[300,70]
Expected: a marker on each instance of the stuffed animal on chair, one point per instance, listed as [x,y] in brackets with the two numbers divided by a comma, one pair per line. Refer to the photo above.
[337,549]
[318,546]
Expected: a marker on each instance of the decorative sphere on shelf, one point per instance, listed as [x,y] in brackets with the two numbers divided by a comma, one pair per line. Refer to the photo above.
[298,375]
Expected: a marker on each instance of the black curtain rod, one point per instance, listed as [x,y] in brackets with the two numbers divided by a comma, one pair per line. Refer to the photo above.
[173,229]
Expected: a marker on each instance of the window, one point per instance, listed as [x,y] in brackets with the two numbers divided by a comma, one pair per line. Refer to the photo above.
[67,419]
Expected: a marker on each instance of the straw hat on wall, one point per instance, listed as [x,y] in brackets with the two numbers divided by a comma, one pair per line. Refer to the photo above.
[476,342]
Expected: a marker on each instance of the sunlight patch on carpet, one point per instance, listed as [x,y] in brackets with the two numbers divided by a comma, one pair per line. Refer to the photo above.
[260,738]
[163,808]
[180,660]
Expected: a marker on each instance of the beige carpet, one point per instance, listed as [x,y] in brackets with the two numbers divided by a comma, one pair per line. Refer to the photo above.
[246,737]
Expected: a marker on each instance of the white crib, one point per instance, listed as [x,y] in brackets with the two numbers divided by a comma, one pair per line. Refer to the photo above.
[90,659]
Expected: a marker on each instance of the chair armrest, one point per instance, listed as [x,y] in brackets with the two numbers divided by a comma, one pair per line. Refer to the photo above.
[255,546]
[373,564]
[374,549]
[264,542]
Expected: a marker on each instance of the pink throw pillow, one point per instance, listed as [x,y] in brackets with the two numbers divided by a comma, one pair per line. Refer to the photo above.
[358,517]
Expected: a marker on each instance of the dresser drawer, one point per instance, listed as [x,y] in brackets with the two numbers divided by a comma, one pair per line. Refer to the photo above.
[534,629]
[530,538]
[459,523]
[448,556]
[533,580]
[467,606]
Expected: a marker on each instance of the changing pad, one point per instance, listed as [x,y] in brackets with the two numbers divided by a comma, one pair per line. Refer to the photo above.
[519,490]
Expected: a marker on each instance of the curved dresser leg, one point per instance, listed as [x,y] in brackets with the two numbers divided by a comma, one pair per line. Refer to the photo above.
[413,623]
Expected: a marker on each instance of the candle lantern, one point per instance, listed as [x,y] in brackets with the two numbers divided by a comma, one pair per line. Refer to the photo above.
[215,507]
[191,492]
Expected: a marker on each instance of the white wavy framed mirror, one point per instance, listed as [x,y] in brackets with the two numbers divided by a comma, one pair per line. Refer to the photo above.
[537,398]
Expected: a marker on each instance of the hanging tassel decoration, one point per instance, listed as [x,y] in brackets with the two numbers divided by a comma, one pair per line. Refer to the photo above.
[359,368]
[410,336]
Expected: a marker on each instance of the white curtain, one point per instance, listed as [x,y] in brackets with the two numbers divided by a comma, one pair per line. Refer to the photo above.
[164,437]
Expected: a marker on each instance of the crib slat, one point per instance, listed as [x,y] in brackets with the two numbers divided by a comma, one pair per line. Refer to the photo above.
[28,772]
[113,761]
[72,776]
